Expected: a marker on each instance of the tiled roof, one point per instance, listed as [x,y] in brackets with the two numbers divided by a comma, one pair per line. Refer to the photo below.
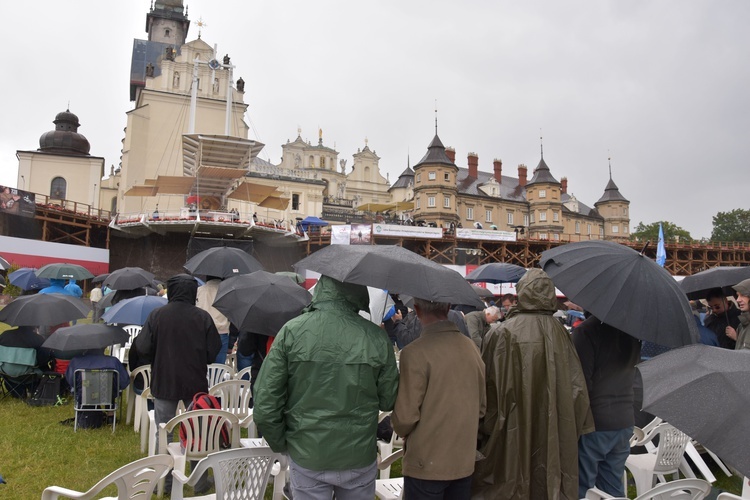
[509,188]
[406,177]
[611,193]
[542,174]
[435,154]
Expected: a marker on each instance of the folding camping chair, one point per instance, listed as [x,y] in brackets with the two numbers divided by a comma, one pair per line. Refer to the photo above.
[95,390]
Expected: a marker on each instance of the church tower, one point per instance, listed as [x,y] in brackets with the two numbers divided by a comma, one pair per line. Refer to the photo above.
[167,22]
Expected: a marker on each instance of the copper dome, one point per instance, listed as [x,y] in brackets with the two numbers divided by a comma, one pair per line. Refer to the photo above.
[65,138]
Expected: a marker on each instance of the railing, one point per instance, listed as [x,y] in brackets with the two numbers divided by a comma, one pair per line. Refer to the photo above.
[68,206]
[184,217]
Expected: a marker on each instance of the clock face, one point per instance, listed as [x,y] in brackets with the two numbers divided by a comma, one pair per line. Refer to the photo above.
[214,64]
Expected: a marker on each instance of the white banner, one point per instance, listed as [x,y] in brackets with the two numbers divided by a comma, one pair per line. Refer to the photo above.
[485,234]
[340,235]
[410,231]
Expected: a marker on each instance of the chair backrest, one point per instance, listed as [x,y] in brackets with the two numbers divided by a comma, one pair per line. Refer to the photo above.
[244,374]
[217,372]
[202,431]
[672,443]
[680,489]
[17,361]
[235,396]
[133,331]
[96,389]
[144,374]
[240,473]
[136,480]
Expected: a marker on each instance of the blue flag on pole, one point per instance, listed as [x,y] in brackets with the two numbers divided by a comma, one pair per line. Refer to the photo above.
[661,253]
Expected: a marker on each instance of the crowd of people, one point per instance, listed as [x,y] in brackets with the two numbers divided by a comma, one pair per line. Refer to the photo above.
[503,402]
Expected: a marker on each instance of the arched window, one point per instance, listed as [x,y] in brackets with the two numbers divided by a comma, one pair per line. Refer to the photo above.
[58,188]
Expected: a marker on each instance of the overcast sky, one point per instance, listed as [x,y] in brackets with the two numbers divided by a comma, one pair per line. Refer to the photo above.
[663,87]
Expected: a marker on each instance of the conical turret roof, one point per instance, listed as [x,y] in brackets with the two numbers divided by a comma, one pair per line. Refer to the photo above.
[611,193]
[435,154]
[542,174]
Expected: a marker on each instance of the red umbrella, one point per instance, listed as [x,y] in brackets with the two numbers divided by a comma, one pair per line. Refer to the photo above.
[193,199]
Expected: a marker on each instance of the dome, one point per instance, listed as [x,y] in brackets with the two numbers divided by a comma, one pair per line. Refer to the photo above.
[65,138]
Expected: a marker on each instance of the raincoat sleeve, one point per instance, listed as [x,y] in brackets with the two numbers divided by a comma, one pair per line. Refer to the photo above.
[213,341]
[388,382]
[145,342]
[492,350]
[586,354]
[271,393]
[412,387]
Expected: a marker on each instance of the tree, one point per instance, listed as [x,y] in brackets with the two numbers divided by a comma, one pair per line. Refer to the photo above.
[732,226]
[650,232]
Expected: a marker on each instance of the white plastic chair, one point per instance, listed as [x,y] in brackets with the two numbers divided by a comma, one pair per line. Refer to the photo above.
[236,397]
[136,481]
[134,402]
[681,489]
[245,371]
[218,372]
[390,489]
[666,459]
[279,471]
[241,473]
[203,436]
[386,448]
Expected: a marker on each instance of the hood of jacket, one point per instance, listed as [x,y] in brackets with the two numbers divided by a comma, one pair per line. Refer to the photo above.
[329,291]
[182,288]
[536,292]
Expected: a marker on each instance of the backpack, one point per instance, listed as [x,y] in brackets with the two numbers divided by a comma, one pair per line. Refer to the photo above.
[49,392]
[204,401]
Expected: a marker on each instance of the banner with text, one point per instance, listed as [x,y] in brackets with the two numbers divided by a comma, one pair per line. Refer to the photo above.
[485,234]
[340,235]
[407,231]
[17,202]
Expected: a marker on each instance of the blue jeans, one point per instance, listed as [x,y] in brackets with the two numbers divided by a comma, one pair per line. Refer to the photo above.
[221,358]
[350,484]
[601,461]
[419,489]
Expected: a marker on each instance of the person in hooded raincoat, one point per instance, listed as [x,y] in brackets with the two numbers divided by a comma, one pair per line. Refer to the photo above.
[537,402]
[319,390]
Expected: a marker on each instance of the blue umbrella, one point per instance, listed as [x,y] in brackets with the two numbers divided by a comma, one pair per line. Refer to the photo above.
[133,311]
[26,279]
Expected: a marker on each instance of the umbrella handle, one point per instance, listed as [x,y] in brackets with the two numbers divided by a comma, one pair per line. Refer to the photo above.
[648,242]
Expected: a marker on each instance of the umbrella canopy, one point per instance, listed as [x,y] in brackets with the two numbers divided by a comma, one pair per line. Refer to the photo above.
[624,289]
[4,264]
[496,272]
[261,302]
[223,262]
[699,284]
[482,293]
[86,336]
[702,391]
[64,271]
[297,278]
[99,278]
[26,279]
[129,278]
[133,311]
[43,310]
[392,268]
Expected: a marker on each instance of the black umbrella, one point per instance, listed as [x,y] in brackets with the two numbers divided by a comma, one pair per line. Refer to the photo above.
[703,391]
[483,293]
[26,279]
[699,284]
[624,289]
[297,278]
[4,264]
[223,262]
[133,311]
[23,336]
[99,278]
[496,272]
[86,336]
[43,310]
[64,271]
[260,302]
[392,268]
[128,278]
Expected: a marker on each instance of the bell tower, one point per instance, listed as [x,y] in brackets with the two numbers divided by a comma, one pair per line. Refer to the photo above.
[167,22]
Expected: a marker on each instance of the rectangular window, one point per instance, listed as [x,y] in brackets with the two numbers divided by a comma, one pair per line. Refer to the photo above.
[601,231]
[488,215]
[625,229]
[556,237]
[430,201]
[469,213]
[531,218]
[295,201]
[543,236]
[447,202]
[419,177]
[578,227]
[555,216]
[447,177]
[615,229]
[431,176]
[525,220]
[510,218]
[588,229]
[542,193]
[418,206]
[625,211]
[542,216]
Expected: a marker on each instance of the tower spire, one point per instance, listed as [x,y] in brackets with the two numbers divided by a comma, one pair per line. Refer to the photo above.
[541,143]
[610,167]
[436,117]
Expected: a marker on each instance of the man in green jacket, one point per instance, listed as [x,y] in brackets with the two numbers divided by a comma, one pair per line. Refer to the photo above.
[318,393]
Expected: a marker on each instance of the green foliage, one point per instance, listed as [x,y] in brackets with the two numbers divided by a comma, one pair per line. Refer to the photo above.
[9,289]
[731,226]
[650,232]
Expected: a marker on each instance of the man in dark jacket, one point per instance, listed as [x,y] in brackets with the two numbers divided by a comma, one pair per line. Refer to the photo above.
[180,340]
[723,314]
[479,322]
[608,358]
